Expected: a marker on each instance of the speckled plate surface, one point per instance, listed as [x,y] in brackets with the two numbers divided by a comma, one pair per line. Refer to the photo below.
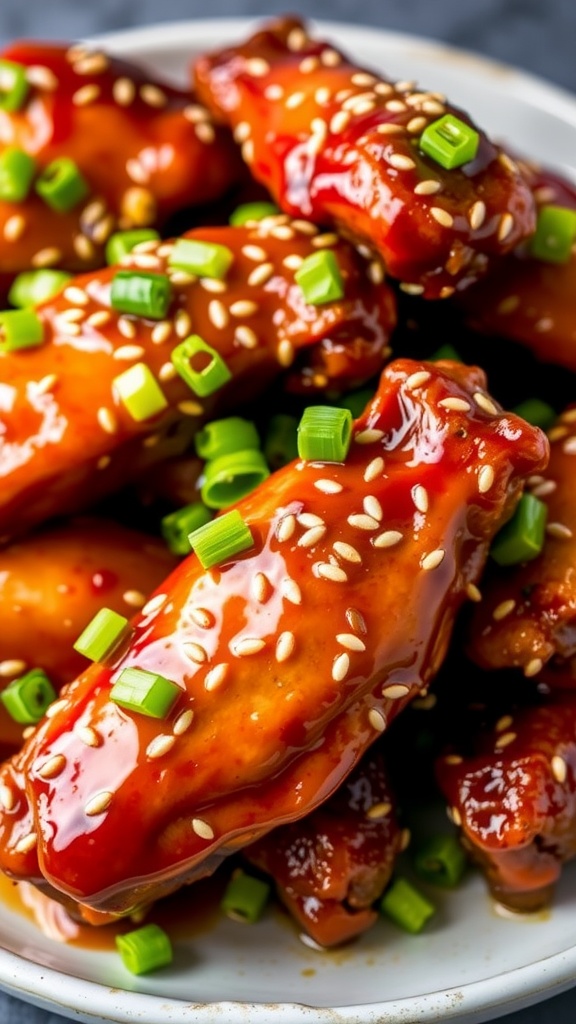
[471,965]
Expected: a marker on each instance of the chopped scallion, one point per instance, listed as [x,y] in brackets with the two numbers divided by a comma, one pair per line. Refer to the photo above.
[140,392]
[522,537]
[145,692]
[555,234]
[123,242]
[27,698]
[14,86]
[61,185]
[221,539]
[247,212]
[20,328]
[141,293]
[446,351]
[440,860]
[102,635]
[220,437]
[406,906]
[320,278]
[245,897]
[177,526]
[200,366]
[450,142]
[230,477]
[145,949]
[536,412]
[17,170]
[324,433]
[206,259]
[32,287]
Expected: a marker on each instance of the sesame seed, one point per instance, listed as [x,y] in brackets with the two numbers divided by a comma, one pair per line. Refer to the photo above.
[347,552]
[254,252]
[453,759]
[508,305]
[442,217]
[330,58]
[56,707]
[205,132]
[377,720]
[375,272]
[308,64]
[485,403]
[503,723]
[569,446]
[242,131]
[363,78]
[46,384]
[455,404]
[14,227]
[182,323]
[256,66]
[374,469]
[138,206]
[433,107]
[350,641]
[126,327]
[85,95]
[361,521]
[47,257]
[127,352]
[455,815]
[41,77]
[325,241]
[328,486]
[340,667]
[261,274]
[428,187]
[355,620]
[87,735]
[202,617]
[285,527]
[76,295]
[432,560]
[7,798]
[416,380]
[247,646]
[274,91]
[83,247]
[285,645]
[473,593]
[544,489]
[99,318]
[202,828]
[283,232]
[297,39]
[153,96]
[183,722]
[12,667]
[411,289]
[295,100]
[27,843]
[53,767]
[380,810]
[477,214]
[505,227]
[387,539]
[569,416]
[107,420]
[216,676]
[372,507]
[420,498]
[218,314]
[559,768]
[195,652]
[154,604]
[340,120]
[285,352]
[246,337]
[291,591]
[123,91]
[505,739]
[98,803]
[334,573]
[401,162]
[244,307]
[559,531]
[416,125]
[533,667]
[311,536]
[92,64]
[486,477]
[395,691]
[160,745]
[134,598]
[389,128]
[368,436]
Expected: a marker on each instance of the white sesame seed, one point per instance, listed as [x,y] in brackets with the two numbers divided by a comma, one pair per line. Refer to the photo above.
[350,641]
[107,420]
[205,132]
[27,843]
[47,257]
[98,803]
[285,527]
[260,587]
[128,352]
[247,646]
[347,552]
[291,591]
[379,810]
[432,560]
[505,739]
[395,691]
[505,227]
[182,323]
[325,240]
[246,337]
[242,131]
[442,216]
[297,39]
[160,745]
[389,128]
[99,318]
[14,227]
[41,77]
[218,314]
[274,91]
[559,768]
[486,477]
[308,64]
[311,537]
[56,707]
[85,95]
[455,816]
[255,253]
[485,403]
[363,78]
[202,828]
[334,573]
[416,380]
[455,404]
[477,215]
[401,162]
[216,676]
[368,436]
[195,652]
[202,617]
[161,332]
[309,519]
[294,100]
[473,593]
[87,735]
[374,469]
[420,498]
[285,645]
[155,604]
[83,248]
[569,446]
[428,187]
[340,120]
[92,64]
[12,667]
[372,507]
[328,486]
[340,667]
[411,289]
[126,327]
[387,539]
[261,274]
[285,352]
[243,307]
[559,531]
[53,767]
[533,667]
[361,521]
[330,58]
[355,620]
[416,125]
[7,797]
[377,720]
[153,96]
[183,722]
[134,598]
[124,91]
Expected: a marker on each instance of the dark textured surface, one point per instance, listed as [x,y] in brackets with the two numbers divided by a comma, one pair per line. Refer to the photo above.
[537,35]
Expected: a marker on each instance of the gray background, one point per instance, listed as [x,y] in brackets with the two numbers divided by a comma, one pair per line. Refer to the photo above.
[537,35]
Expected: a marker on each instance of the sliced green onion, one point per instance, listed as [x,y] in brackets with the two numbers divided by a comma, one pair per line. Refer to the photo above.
[145,692]
[145,949]
[220,437]
[450,142]
[440,860]
[555,234]
[357,401]
[140,392]
[17,170]
[247,212]
[324,433]
[281,440]
[522,538]
[20,328]
[445,352]
[102,635]
[32,287]
[141,293]
[206,259]
[536,412]
[177,526]
[231,477]
[61,185]
[123,242]
[319,278]
[406,906]
[200,366]
[14,86]
[27,698]
[245,897]
[221,539]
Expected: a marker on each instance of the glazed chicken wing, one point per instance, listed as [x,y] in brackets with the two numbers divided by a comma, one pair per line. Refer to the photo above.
[341,145]
[112,808]
[67,439]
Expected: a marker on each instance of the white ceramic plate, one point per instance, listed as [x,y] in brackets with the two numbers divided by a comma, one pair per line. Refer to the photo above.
[471,965]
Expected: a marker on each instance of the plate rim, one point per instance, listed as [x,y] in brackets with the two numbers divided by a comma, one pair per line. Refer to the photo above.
[90,1000]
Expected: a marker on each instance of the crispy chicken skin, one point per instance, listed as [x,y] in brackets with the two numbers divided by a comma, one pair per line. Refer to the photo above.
[331,867]
[275,708]
[529,300]
[339,144]
[65,438]
[527,616]
[514,800]
[144,148]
